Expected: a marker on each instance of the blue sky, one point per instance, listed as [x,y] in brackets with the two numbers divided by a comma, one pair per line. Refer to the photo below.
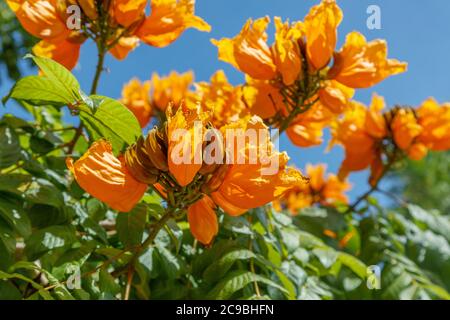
[416,32]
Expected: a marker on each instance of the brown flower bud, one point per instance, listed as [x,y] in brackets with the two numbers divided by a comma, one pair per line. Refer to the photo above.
[155,149]
[215,179]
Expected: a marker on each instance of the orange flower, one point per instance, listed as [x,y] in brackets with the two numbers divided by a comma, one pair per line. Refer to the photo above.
[417,151]
[335,96]
[435,121]
[106,177]
[248,51]
[248,185]
[184,151]
[167,21]
[307,128]
[405,128]
[321,32]
[65,52]
[135,96]
[323,190]
[127,12]
[171,89]
[46,19]
[375,123]
[43,19]
[88,6]
[360,64]
[360,141]
[221,98]
[123,47]
[287,57]
[203,220]
[263,99]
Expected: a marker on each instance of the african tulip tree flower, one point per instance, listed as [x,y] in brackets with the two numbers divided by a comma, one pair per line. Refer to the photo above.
[106,177]
[46,20]
[65,52]
[297,71]
[183,144]
[127,12]
[263,99]
[202,220]
[335,96]
[378,139]
[321,32]
[326,190]
[362,64]
[43,19]
[135,96]
[428,127]
[246,186]
[172,89]
[250,53]
[286,52]
[221,98]
[168,20]
[62,32]
[405,129]
[360,132]
[435,121]
[307,129]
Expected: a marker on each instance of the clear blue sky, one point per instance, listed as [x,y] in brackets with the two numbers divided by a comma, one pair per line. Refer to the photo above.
[417,32]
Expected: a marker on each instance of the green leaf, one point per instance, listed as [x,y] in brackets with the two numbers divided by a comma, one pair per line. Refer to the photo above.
[39,91]
[49,238]
[57,73]
[14,183]
[9,292]
[10,147]
[220,267]
[170,264]
[287,284]
[326,256]
[43,192]
[111,120]
[237,281]
[7,237]
[107,283]
[353,263]
[35,285]
[431,220]
[131,225]
[16,217]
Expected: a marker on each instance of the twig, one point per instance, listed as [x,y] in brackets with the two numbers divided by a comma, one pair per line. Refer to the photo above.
[129,281]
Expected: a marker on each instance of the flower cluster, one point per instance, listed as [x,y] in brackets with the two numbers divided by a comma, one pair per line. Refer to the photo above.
[198,186]
[325,190]
[151,98]
[376,139]
[116,26]
[291,84]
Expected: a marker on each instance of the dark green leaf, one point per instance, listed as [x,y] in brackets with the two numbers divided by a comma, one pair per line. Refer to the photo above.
[131,225]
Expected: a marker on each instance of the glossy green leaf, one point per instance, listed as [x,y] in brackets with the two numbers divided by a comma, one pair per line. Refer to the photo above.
[111,120]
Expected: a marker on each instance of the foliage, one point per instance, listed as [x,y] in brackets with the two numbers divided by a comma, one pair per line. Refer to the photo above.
[426,182]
